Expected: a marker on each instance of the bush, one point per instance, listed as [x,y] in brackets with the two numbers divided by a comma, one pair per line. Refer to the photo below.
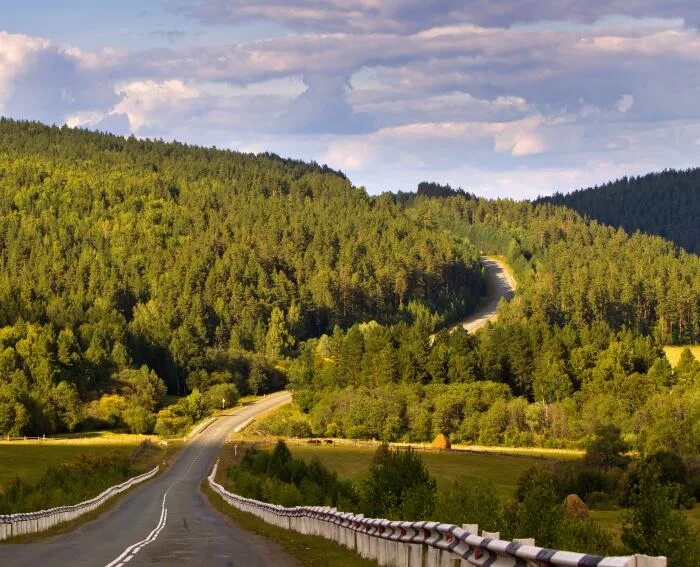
[105,412]
[138,419]
[653,527]
[298,428]
[218,392]
[171,424]
[468,501]
[399,487]
[539,512]
[599,501]
[280,478]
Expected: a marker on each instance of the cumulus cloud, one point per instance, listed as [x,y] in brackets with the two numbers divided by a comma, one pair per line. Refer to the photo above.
[153,103]
[44,81]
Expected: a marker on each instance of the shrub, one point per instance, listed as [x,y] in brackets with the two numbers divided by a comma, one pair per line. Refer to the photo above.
[298,428]
[66,484]
[399,487]
[138,419]
[218,392]
[171,424]
[280,478]
[468,501]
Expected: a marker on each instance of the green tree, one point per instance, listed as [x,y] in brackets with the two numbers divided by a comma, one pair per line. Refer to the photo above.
[278,339]
[257,379]
[399,487]
[653,527]
[607,448]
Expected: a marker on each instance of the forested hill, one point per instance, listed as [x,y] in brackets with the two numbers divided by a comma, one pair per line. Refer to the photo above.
[578,348]
[666,204]
[203,265]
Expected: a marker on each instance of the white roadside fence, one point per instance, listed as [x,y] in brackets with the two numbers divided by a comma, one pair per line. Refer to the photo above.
[419,544]
[34,522]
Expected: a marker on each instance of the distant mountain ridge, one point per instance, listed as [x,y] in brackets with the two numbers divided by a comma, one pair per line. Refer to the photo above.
[665,203]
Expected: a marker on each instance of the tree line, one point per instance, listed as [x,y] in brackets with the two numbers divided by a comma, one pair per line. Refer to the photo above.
[665,203]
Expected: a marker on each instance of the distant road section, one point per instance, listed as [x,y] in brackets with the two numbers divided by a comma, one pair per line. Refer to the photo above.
[165,521]
[501,286]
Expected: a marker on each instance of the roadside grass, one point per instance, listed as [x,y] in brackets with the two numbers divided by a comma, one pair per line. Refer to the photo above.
[673,353]
[306,549]
[146,460]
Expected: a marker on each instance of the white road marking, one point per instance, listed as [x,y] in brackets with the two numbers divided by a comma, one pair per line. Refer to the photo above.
[128,554]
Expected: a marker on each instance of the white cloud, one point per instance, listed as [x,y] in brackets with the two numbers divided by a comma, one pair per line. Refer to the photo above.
[624,103]
[380,100]
[154,103]
[15,51]
[84,119]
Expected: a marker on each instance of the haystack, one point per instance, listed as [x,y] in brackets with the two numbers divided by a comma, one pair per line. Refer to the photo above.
[574,507]
[441,442]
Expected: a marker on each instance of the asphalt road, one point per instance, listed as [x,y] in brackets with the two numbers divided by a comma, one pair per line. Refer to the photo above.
[502,286]
[165,521]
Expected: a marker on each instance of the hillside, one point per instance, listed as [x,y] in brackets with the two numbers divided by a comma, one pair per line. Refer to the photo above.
[129,263]
[666,204]
[577,349]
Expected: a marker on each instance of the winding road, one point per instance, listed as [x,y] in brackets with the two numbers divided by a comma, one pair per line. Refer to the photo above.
[165,521]
[501,286]
[168,521]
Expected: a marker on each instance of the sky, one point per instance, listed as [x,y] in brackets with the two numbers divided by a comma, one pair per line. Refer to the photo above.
[504,98]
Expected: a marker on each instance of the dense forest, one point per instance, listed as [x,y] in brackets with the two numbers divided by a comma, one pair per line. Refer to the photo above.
[130,267]
[578,348]
[666,204]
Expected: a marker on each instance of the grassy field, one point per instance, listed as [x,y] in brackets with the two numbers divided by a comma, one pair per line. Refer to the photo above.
[353,462]
[28,460]
[673,353]
[501,466]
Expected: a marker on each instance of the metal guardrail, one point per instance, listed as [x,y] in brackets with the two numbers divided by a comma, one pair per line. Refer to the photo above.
[419,544]
[12,525]
[200,427]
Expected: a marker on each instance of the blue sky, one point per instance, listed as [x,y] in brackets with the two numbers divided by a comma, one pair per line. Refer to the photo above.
[514,98]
